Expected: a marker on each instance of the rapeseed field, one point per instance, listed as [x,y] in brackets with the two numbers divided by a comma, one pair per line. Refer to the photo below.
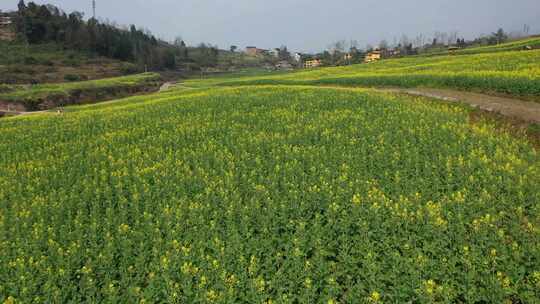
[267,194]
[511,72]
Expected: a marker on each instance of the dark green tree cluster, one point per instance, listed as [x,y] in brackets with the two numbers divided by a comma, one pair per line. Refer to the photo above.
[206,55]
[47,23]
[498,37]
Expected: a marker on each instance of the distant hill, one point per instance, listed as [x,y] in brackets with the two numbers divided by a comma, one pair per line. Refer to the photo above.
[42,24]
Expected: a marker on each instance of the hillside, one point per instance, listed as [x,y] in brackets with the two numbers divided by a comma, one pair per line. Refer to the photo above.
[48,96]
[510,73]
[516,45]
[50,63]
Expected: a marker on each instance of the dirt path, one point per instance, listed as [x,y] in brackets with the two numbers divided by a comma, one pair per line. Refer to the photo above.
[18,113]
[522,110]
[167,86]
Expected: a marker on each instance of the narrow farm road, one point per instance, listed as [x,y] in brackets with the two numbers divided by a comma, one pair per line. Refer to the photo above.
[523,110]
[19,113]
[167,86]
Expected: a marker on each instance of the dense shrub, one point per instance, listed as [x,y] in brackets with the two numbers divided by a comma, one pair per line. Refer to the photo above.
[72,77]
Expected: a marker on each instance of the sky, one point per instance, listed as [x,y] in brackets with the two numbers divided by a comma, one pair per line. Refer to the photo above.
[308,25]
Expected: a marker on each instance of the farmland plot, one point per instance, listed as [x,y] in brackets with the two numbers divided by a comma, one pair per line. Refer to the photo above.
[269,194]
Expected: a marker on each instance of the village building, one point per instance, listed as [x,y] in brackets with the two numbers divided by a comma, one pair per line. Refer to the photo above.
[254,51]
[393,52]
[297,57]
[275,52]
[7,32]
[5,21]
[373,56]
[313,63]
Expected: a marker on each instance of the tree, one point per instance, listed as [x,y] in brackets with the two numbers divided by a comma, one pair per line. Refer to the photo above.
[284,53]
[409,49]
[526,29]
[383,45]
[499,37]
[233,48]
[21,6]
[169,59]
[207,55]
[338,46]
[178,41]
[452,37]
[404,40]
[185,52]
[46,23]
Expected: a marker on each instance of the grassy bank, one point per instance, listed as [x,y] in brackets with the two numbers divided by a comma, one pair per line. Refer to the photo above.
[40,96]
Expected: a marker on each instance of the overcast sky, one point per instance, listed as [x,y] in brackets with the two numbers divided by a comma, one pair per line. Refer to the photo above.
[308,25]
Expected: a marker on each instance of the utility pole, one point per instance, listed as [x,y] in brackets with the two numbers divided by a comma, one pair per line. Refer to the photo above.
[94,8]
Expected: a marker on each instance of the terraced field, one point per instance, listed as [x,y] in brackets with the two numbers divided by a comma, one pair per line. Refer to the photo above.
[267,194]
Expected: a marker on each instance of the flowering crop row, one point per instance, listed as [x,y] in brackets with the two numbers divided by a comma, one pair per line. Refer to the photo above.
[267,195]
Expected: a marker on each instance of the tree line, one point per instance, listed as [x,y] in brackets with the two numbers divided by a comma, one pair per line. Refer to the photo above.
[47,23]
[334,55]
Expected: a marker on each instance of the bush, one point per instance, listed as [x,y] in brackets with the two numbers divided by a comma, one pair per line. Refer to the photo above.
[4,88]
[19,69]
[30,60]
[72,77]
[129,68]
[47,62]
[72,62]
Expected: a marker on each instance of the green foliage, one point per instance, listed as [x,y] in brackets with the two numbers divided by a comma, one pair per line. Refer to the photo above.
[129,68]
[38,24]
[42,54]
[206,55]
[72,77]
[267,194]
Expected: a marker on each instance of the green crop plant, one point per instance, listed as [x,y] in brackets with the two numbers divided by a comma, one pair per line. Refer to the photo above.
[267,194]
